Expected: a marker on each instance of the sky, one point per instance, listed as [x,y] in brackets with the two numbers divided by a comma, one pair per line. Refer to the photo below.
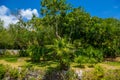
[100,8]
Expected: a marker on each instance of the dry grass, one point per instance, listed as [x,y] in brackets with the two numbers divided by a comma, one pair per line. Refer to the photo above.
[23,61]
[19,62]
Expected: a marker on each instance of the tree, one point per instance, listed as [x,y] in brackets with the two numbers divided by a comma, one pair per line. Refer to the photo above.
[52,9]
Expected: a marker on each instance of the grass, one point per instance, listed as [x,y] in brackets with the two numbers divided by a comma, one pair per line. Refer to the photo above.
[15,61]
[113,63]
[12,59]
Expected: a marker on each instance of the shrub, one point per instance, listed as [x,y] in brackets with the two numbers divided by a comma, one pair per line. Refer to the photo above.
[35,52]
[63,52]
[93,53]
[23,53]
[81,60]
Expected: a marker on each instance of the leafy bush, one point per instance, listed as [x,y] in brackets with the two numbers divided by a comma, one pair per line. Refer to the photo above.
[23,53]
[35,52]
[63,52]
[81,60]
[94,54]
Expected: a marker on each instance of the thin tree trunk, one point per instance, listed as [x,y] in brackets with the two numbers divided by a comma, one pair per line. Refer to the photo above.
[56,29]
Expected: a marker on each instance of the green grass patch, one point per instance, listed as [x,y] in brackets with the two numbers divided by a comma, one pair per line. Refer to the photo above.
[10,59]
[113,63]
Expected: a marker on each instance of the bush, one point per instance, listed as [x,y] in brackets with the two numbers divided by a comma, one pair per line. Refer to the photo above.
[35,52]
[63,52]
[81,60]
[23,53]
[93,53]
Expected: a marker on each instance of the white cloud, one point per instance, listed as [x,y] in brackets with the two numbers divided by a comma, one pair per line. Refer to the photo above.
[8,18]
[28,13]
[3,10]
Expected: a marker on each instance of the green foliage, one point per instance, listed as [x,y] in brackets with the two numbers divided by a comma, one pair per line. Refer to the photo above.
[11,59]
[63,52]
[99,72]
[87,39]
[112,75]
[88,55]
[94,54]
[34,51]
[113,63]
[2,71]
[13,73]
[81,60]
[23,53]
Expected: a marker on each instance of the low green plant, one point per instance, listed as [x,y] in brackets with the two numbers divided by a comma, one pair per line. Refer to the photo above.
[96,74]
[112,75]
[2,71]
[99,72]
[14,73]
[81,60]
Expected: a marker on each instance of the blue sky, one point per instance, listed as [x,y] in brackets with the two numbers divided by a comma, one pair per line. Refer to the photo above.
[100,8]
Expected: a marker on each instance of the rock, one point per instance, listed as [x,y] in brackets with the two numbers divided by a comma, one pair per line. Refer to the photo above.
[79,74]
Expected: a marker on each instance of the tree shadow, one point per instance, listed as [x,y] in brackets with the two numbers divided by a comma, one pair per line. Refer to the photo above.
[42,63]
[79,66]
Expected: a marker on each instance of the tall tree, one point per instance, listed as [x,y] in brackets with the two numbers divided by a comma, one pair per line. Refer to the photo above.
[53,9]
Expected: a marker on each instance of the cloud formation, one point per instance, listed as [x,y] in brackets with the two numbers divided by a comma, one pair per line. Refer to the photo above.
[28,13]
[8,18]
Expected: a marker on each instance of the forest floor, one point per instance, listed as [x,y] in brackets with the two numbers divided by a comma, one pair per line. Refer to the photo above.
[25,61]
